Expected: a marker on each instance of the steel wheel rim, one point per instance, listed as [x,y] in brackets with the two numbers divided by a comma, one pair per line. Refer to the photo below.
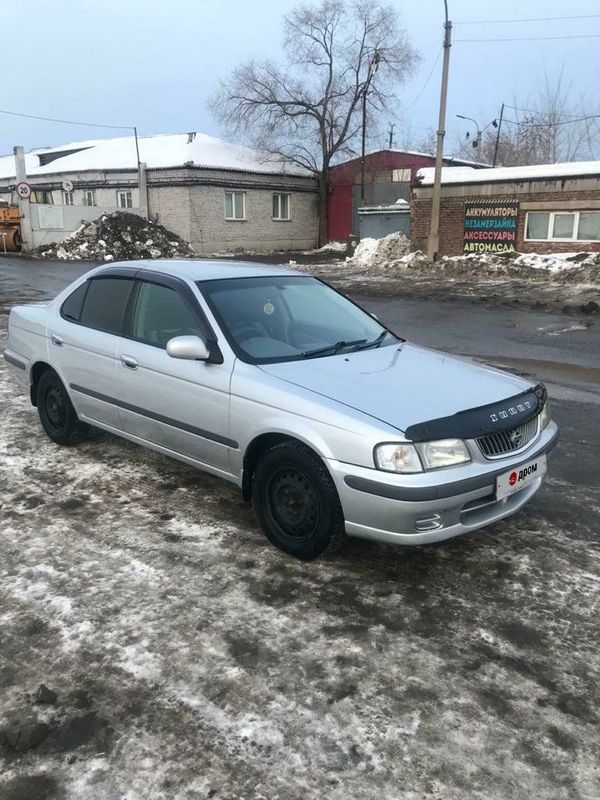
[293,503]
[55,406]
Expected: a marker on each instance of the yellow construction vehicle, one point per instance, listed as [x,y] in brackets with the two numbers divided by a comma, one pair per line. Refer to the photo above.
[10,228]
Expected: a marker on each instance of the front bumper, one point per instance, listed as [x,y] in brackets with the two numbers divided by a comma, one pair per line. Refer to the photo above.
[400,508]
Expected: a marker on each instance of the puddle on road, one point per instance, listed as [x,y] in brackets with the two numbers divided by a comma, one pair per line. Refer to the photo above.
[554,371]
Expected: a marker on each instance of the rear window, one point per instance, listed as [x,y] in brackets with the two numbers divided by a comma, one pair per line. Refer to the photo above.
[71,308]
[105,304]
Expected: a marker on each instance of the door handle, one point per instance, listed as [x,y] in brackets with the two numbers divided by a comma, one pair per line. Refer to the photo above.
[129,361]
[57,340]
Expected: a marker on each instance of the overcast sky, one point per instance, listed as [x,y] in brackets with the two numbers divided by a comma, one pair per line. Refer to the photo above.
[153,64]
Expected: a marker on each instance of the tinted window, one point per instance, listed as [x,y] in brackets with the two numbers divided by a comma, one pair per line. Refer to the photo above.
[71,308]
[160,314]
[105,304]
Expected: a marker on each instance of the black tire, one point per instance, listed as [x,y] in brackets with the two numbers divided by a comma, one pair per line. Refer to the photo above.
[56,411]
[296,502]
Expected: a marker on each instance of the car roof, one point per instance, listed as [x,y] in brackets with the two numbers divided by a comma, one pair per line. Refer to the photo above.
[208,270]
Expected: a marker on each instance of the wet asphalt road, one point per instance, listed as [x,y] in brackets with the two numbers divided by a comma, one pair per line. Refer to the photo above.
[191,660]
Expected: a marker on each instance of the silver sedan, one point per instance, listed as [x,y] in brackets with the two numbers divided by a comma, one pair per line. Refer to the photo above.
[328,421]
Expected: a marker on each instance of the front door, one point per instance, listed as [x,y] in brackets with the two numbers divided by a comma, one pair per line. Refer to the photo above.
[178,404]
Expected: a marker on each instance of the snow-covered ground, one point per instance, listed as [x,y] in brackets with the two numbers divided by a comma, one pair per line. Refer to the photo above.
[191,660]
[388,266]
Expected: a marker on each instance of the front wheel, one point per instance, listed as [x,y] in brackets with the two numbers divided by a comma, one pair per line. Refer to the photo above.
[296,501]
[56,411]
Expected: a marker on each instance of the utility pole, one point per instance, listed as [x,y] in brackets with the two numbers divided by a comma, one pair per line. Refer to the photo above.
[392,126]
[498,135]
[434,228]
[373,65]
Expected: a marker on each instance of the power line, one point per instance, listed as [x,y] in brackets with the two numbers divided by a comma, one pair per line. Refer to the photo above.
[526,19]
[547,124]
[535,38]
[67,121]
[537,111]
[418,97]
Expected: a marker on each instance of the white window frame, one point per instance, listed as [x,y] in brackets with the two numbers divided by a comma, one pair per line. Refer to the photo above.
[233,193]
[550,228]
[68,198]
[279,195]
[124,193]
[87,194]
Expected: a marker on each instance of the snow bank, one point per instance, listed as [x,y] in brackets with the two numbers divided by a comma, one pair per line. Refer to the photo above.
[330,247]
[392,254]
[121,236]
[374,254]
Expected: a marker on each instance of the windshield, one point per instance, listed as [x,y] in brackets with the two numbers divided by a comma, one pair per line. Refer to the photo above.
[290,318]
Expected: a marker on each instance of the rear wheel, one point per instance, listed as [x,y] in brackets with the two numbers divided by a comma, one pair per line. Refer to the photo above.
[56,411]
[296,501]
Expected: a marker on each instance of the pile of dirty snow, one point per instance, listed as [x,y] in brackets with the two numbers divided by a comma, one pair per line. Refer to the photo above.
[117,236]
[379,254]
[330,247]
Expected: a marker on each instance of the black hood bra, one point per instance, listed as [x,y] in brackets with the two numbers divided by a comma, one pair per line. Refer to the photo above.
[484,420]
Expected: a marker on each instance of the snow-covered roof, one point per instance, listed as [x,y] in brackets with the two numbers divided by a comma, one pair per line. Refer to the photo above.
[166,150]
[571,169]
[446,158]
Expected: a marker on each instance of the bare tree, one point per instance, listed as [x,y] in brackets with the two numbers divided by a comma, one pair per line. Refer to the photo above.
[553,126]
[309,110]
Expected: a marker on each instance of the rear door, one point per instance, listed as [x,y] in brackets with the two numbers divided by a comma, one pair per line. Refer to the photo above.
[83,343]
[178,404]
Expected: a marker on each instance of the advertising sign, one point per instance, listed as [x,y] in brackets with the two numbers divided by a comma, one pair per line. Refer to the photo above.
[490,227]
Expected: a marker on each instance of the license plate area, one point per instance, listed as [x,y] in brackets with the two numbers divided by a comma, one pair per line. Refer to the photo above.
[516,479]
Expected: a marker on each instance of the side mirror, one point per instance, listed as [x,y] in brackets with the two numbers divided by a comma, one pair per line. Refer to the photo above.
[192,348]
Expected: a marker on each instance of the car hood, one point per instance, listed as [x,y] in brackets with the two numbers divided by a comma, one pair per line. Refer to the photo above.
[401,385]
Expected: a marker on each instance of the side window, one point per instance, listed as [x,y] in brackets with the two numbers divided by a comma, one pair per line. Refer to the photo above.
[71,308]
[160,314]
[105,304]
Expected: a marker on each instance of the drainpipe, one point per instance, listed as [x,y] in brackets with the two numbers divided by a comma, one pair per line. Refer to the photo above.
[143,189]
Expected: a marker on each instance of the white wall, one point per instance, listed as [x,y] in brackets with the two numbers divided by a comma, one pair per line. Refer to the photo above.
[51,223]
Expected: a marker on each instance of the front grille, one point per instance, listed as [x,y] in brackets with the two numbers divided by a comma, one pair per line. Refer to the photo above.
[498,444]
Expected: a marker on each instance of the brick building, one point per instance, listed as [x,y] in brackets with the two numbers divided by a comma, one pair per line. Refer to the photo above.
[388,177]
[545,208]
[215,195]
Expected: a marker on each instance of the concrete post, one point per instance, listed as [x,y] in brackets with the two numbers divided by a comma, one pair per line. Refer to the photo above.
[21,173]
[143,189]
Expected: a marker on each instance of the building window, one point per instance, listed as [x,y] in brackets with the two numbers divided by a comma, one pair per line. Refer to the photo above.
[68,198]
[89,197]
[124,198]
[42,196]
[401,175]
[563,226]
[281,206]
[235,205]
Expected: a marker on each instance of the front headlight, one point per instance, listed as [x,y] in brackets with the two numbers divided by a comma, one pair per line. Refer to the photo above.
[545,415]
[397,458]
[407,458]
[443,453]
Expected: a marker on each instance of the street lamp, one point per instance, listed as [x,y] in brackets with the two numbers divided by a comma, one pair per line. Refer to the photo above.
[373,67]
[434,228]
[477,141]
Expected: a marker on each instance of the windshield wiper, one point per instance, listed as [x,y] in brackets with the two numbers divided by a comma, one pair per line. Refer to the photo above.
[332,348]
[375,343]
